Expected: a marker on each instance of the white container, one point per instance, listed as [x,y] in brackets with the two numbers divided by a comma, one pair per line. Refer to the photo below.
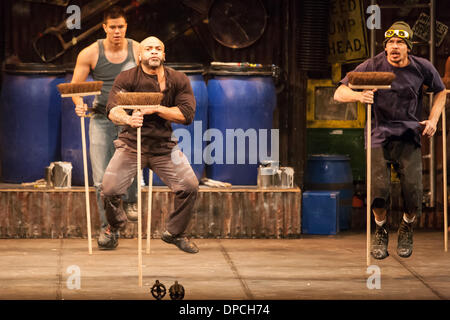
[62,174]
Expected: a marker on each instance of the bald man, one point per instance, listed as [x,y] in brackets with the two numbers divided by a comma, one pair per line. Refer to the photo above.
[158,148]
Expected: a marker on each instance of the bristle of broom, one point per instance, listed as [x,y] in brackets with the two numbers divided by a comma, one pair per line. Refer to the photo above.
[80,87]
[370,78]
[139,98]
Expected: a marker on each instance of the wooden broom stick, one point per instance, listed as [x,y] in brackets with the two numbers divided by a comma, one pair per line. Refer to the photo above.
[369,81]
[149,209]
[86,183]
[139,206]
[83,89]
[446,80]
[138,101]
[444,173]
[368,179]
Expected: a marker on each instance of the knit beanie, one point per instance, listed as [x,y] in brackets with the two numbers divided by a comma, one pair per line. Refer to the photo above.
[401,25]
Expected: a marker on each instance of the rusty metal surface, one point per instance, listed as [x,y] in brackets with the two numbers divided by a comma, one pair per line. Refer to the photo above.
[218,213]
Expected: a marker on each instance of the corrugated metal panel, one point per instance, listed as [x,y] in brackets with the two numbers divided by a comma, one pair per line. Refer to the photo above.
[222,213]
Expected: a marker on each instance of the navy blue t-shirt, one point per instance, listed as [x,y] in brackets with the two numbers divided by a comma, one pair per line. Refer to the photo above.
[397,111]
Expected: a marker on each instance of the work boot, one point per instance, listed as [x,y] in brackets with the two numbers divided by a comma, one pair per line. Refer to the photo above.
[131,211]
[108,239]
[380,243]
[114,212]
[405,239]
[182,242]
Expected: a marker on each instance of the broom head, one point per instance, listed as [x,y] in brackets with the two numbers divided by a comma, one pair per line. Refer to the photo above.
[138,98]
[80,88]
[370,78]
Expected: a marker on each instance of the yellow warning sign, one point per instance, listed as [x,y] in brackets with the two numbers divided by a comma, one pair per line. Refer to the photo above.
[347,37]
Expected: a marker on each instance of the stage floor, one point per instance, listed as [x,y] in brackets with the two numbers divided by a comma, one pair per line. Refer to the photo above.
[311,267]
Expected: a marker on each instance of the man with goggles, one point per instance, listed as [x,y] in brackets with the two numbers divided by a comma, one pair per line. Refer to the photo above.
[397,128]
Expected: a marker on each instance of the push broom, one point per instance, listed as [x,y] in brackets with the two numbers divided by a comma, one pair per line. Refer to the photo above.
[369,81]
[82,89]
[140,101]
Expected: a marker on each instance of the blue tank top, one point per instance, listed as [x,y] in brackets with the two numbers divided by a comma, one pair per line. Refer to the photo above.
[107,72]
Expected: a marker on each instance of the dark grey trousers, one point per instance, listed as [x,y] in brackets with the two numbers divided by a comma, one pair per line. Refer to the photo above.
[407,157]
[177,175]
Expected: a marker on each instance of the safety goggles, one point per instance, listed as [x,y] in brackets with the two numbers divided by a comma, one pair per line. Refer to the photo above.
[399,33]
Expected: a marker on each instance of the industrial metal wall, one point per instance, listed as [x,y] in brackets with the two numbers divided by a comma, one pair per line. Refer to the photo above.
[182,24]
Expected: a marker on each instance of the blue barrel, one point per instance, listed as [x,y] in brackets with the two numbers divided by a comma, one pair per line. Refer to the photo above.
[30,115]
[329,173]
[241,100]
[71,148]
[195,131]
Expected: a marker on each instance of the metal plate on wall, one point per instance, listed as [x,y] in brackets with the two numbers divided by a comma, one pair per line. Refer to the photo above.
[235,23]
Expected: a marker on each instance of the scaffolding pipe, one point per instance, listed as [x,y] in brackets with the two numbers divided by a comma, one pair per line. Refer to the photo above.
[432,156]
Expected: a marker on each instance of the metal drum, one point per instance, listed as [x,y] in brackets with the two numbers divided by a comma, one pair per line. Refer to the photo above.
[30,120]
[241,102]
[71,148]
[332,172]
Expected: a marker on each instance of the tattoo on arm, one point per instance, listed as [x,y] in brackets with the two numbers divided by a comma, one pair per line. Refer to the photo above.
[119,116]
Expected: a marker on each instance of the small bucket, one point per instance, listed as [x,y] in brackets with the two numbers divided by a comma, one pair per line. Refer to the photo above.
[62,174]
[268,174]
[287,177]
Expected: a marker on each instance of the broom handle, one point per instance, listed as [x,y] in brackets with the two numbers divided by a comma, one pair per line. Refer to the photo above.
[444,166]
[139,205]
[149,207]
[86,183]
[368,174]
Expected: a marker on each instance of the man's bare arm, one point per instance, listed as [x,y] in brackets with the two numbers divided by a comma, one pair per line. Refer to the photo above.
[80,74]
[119,116]
[435,113]
[345,94]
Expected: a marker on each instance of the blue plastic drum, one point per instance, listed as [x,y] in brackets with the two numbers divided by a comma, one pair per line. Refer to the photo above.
[332,172]
[240,113]
[30,115]
[71,148]
[195,131]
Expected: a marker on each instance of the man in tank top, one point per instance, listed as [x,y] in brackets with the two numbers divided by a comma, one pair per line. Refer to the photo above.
[397,129]
[105,59]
